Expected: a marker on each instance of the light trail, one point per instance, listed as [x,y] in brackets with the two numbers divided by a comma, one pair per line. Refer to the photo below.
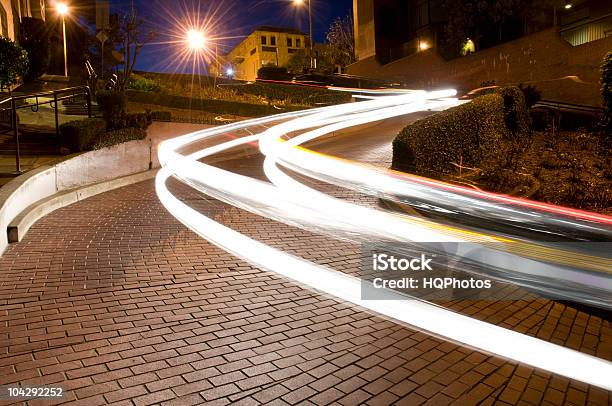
[298,205]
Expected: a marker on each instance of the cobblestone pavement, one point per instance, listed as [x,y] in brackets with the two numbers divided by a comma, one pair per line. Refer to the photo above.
[119,303]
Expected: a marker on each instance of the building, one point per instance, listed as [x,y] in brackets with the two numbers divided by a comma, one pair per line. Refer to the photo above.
[391,29]
[586,21]
[558,50]
[266,46]
[12,11]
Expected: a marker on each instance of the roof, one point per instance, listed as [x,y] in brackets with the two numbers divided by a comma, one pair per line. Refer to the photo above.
[279,29]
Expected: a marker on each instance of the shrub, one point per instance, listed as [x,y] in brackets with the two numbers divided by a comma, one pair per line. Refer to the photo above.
[469,133]
[532,95]
[273,73]
[489,133]
[34,38]
[293,94]
[81,135]
[13,62]
[515,111]
[144,85]
[160,115]
[137,120]
[113,106]
[120,136]
[606,93]
[210,105]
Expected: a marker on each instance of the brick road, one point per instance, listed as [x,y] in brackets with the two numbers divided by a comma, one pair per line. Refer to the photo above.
[119,303]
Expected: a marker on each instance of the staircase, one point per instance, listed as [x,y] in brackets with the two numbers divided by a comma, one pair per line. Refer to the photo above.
[31,142]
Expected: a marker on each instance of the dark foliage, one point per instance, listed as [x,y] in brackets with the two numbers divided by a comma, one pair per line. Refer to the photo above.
[82,135]
[34,38]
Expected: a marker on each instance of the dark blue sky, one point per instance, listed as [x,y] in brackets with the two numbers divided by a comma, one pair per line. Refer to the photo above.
[230,21]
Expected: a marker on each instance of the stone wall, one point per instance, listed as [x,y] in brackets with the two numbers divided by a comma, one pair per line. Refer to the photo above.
[562,72]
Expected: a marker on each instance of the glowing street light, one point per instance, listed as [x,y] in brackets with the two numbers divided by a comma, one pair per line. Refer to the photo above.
[568,6]
[424,45]
[63,10]
[300,3]
[196,40]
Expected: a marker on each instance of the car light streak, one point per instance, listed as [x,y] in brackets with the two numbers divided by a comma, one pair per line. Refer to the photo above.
[284,201]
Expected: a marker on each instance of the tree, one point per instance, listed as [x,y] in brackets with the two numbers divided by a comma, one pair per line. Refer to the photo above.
[341,40]
[13,63]
[300,61]
[34,38]
[135,36]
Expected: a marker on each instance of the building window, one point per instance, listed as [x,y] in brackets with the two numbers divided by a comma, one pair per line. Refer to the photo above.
[253,51]
[289,42]
[298,42]
[273,41]
[264,40]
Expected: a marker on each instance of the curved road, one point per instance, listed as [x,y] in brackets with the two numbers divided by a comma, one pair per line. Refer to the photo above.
[118,302]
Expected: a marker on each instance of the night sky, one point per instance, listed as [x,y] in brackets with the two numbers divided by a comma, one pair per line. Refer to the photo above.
[229,21]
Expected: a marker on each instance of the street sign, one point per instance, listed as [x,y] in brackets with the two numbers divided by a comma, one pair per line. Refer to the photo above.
[102,36]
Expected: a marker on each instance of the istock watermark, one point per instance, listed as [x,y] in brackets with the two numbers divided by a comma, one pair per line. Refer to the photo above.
[416,272]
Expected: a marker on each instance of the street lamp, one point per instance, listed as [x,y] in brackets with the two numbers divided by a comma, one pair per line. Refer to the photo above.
[567,6]
[196,40]
[62,10]
[301,3]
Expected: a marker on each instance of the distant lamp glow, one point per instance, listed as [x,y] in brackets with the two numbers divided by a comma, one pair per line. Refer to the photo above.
[298,2]
[468,47]
[61,8]
[424,45]
[568,6]
[196,40]
[229,72]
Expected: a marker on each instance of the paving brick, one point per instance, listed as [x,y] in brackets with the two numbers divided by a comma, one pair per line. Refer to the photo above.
[144,311]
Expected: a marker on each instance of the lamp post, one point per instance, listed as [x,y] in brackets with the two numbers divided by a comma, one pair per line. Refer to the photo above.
[300,3]
[62,10]
[196,42]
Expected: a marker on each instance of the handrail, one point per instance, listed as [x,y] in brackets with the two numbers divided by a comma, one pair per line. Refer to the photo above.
[56,98]
[570,106]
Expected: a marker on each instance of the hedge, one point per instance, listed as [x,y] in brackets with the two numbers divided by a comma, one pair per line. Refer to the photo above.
[295,94]
[484,133]
[81,135]
[113,105]
[606,94]
[210,105]
[120,136]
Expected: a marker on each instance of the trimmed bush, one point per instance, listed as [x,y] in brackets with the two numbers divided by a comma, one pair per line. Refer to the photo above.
[81,135]
[468,133]
[273,73]
[137,120]
[606,93]
[294,94]
[120,136]
[487,133]
[113,106]
[160,116]
[532,95]
[210,105]
[515,111]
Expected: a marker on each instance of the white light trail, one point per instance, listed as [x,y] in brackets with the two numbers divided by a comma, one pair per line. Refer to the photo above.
[285,202]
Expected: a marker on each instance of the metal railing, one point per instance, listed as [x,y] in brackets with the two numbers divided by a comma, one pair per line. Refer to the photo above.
[12,104]
[578,108]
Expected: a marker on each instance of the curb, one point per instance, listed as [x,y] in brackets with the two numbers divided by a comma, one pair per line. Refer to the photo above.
[19,226]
